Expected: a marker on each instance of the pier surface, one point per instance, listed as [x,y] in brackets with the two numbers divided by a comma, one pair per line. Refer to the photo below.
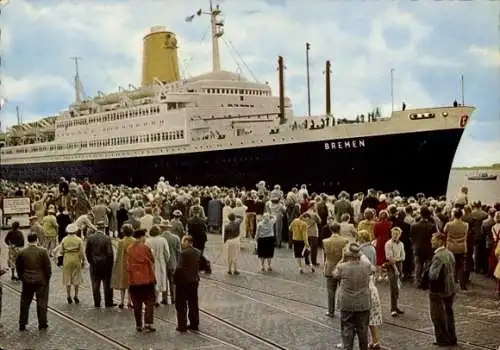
[273,310]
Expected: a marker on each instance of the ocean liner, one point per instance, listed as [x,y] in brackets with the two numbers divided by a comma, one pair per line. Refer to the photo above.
[222,129]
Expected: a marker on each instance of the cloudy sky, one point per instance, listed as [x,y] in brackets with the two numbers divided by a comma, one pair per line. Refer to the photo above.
[429,45]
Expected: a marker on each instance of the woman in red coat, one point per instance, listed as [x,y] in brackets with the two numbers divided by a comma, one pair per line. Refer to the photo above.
[382,233]
[382,204]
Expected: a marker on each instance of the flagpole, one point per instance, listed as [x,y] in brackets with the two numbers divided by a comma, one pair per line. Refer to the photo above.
[462,88]
[308,47]
[392,89]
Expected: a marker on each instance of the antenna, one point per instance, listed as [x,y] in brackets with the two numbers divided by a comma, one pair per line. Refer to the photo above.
[18,114]
[216,25]
[78,83]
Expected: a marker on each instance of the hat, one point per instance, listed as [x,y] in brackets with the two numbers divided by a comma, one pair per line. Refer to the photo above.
[177,212]
[352,250]
[165,224]
[51,210]
[72,228]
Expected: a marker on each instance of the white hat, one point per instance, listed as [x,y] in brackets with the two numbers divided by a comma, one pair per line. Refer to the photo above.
[165,224]
[72,228]
[177,212]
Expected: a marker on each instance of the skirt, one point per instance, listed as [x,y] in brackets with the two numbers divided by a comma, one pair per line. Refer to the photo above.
[298,248]
[72,270]
[265,247]
[13,253]
[232,247]
[376,307]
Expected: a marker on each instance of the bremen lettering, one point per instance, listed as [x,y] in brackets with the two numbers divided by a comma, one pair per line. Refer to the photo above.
[344,145]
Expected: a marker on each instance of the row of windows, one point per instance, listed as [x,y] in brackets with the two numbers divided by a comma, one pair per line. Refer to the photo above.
[109,116]
[224,91]
[117,115]
[113,141]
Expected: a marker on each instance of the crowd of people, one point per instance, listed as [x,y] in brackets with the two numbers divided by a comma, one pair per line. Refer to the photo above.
[148,243]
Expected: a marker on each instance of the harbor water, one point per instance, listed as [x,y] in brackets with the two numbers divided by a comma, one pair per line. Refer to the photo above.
[487,191]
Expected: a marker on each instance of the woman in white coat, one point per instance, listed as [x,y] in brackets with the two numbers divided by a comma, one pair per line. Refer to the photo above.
[240,212]
[226,210]
[161,253]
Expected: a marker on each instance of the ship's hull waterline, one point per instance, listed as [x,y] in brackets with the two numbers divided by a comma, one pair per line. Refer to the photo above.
[411,163]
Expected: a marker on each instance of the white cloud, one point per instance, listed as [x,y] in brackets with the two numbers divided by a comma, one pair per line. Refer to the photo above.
[473,152]
[16,89]
[487,55]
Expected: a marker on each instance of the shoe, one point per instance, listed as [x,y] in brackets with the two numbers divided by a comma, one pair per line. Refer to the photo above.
[330,314]
[164,302]
[441,344]
[157,304]
[182,329]
[22,328]
[77,301]
[43,327]
[193,328]
[138,329]
[70,301]
[394,314]
[399,312]
[263,269]
[236,273]
[301,271]
[111,305]
[120,306]
[149,329]
[229,272]
[269,268]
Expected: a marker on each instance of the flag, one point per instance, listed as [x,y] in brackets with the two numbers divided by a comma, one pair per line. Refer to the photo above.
[190,18]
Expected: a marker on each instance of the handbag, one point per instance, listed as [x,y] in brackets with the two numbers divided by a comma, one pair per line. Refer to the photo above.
[60,260]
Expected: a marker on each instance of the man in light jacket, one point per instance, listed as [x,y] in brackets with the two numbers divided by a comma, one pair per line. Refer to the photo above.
[354,297]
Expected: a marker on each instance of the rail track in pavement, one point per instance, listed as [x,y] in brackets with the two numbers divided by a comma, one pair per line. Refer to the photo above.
[322,307]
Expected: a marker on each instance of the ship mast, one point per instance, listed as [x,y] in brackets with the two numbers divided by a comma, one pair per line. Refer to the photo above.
[78,83]
[216,25]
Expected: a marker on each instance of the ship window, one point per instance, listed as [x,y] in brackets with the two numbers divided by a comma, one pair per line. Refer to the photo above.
[241,98]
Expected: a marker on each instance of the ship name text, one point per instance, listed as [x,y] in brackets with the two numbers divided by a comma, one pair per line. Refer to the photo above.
[344,144]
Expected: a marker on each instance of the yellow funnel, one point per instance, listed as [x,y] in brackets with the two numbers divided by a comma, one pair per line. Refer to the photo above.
[160,57]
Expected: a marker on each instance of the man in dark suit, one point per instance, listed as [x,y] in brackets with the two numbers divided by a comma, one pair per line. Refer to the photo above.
[99,254]
[420,235]
[343,206]
[34,271]
[197,229]
[442,289]
[186,279]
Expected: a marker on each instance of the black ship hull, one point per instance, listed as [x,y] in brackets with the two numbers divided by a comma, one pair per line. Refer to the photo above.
[411,163]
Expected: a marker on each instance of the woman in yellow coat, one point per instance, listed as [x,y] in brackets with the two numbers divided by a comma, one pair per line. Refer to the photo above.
[73,261]
[119,277]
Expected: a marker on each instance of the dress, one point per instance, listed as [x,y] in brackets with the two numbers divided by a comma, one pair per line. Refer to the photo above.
[382,233]
[119,277]
[161,254]
[72,252]
[376,306]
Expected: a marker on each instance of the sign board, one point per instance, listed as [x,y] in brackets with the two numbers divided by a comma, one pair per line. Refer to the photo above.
[13,206]
[22,219]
